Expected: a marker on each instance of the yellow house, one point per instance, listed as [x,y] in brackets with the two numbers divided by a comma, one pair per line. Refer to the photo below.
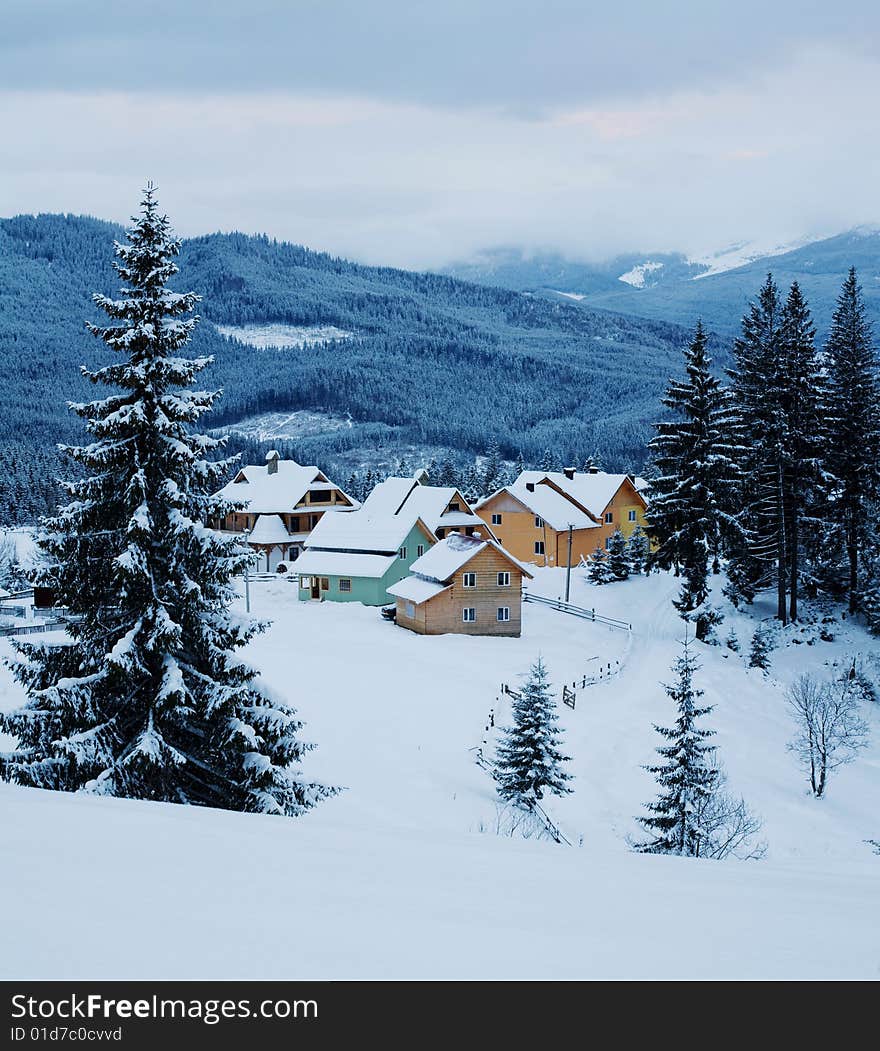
[534,516]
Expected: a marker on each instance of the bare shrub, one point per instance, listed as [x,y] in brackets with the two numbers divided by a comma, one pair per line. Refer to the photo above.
[830,731]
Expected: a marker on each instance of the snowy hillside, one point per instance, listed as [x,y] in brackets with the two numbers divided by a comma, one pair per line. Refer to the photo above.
[404,874]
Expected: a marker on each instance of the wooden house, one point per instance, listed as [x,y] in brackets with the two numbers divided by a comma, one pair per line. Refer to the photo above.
[465,585]
[284,501]
[534,517]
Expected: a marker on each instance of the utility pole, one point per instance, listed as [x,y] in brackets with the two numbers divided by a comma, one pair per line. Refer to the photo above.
[568,570]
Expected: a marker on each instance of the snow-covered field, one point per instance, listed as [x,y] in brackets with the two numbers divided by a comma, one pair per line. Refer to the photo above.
[404,874]
[278,336]
[272,426]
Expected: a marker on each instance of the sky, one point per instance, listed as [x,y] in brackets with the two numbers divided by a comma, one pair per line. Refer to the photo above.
[415,134]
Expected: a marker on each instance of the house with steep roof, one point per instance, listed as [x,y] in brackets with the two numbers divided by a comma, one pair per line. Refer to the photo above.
[442,508]
[536,515]
[283,502]
[356,557]
[464,585]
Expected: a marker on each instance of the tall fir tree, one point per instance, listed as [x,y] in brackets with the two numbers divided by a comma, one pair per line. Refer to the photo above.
[852,457]
[693,481]
[529,760]
[759,555]
[150,700]
[519,466]
[686,777]
[802,394]
[491,476]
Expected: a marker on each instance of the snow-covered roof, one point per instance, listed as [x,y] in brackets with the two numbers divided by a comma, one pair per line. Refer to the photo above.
[594,491]
[446,557]
[406,496]
[556,510]
[280,491]
[359,531]
[342,564]
[417,589]
[269,529]
[457,519]
[388,497]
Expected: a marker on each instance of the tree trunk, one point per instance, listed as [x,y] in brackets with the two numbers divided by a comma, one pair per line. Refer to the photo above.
[781,561]
[793,557]
[852,553]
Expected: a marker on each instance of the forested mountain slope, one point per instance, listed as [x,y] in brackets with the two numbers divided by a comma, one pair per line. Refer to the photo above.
[430,359]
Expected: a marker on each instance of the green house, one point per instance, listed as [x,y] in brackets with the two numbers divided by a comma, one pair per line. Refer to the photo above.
[356,557]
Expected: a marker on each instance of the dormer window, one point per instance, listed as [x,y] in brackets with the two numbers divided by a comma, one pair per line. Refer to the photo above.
[454,507]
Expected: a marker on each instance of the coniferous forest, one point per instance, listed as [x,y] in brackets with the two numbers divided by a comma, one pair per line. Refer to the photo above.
[432,360]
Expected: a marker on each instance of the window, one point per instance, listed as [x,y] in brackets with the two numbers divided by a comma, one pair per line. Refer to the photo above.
[539,522]
[402,552]
[293,554]
[294,524]
[320,496]
[503,613]
[325,584]
[539,547]
[441,533]
[344,584]
[504,580]
[609,516]
[454,507]
[469,580]
[420,550]
[632,516]
[496,519]
[469,615]
[409,609]
[305,583]
[607,542]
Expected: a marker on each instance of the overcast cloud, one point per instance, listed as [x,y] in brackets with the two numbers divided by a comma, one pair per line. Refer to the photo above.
[412,133]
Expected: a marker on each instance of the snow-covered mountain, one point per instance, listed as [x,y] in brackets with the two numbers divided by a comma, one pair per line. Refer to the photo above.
[676,287]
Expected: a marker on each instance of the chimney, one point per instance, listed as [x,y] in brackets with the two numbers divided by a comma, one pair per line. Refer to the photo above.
[530,486]
[569,473]
[272,461]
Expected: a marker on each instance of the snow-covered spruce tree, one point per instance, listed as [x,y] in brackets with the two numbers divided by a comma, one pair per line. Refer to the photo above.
[529,761]
[598,571]
[802,394]
[149,699]
[761,647]
[758,557]
[693,482]
[638,548]
[853,424]
[550,461]
[618,559]
[492,470]
[687,775]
